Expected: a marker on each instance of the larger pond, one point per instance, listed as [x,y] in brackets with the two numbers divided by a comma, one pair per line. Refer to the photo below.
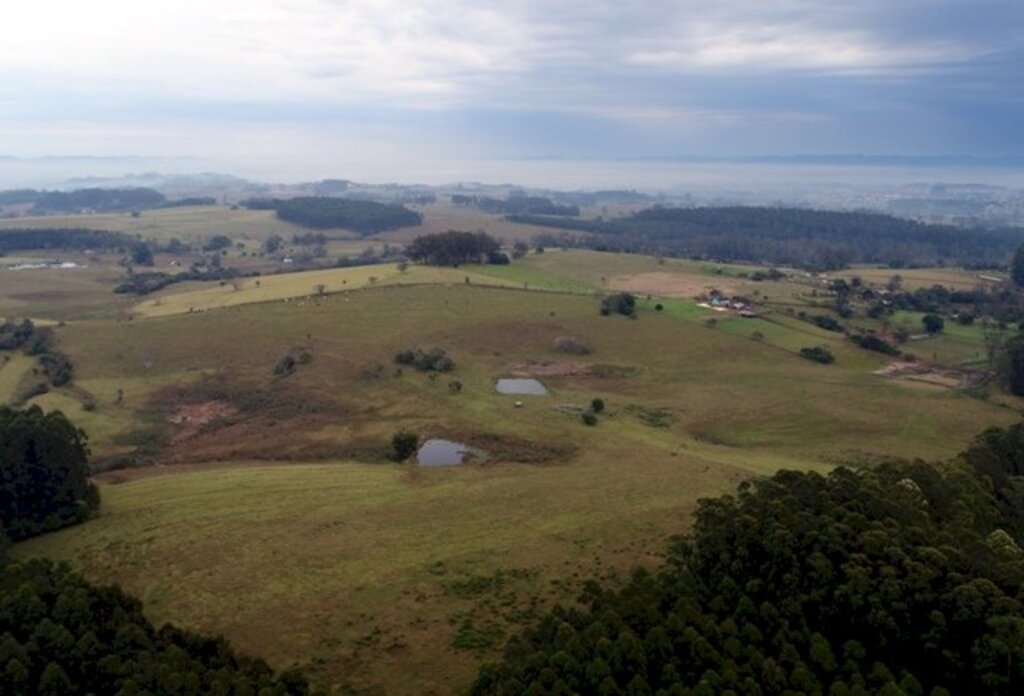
[530,387]
[442,453]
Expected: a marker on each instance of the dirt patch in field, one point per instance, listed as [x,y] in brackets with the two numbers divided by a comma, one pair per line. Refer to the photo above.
[546,368]
[192,418]
[669,284]
[921,372]
[567,368]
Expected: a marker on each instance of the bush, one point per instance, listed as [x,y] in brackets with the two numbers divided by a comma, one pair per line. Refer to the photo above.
[433,360]
[597,405]
[819,354]
[284,366]
[873,342]
[572,345]
[933,323]
[403,445]
[620,303]
[589,418]
[57,368]
[826,322]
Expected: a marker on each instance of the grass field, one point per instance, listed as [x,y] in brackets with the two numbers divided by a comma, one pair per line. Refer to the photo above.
[13,373]
[192,225]
[284,526]
[914,278]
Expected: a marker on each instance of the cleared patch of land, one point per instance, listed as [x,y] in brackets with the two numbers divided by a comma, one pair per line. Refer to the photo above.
[668,284]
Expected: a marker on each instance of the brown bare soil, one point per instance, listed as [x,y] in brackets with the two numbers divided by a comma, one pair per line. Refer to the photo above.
[668,284]
[921,372]
[546,368]
[192,418]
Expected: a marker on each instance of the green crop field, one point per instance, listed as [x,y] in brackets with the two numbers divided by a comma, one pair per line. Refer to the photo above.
[264,506]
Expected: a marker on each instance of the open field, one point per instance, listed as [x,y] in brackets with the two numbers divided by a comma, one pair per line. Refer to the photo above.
[269,512]
[914,278]
[192,225]
[13,372]
[441,217]
[59,294]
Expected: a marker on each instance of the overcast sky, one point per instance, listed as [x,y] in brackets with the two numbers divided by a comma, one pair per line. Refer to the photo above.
[275,81]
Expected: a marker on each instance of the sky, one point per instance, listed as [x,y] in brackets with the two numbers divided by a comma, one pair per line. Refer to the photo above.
[324,87]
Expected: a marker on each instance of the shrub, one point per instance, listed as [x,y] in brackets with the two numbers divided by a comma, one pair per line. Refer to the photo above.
[873,342]
[404,445]
[433,360]
[597,405]
[589,418]
[572,345]
[819,354]
[620,303]
[826,322]
[285,366]
[57,368]
[933,323]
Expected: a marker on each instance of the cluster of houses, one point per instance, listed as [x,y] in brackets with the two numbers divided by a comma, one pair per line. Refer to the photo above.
[720,302]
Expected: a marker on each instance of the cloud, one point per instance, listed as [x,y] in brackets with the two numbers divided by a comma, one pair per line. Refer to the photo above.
[658,74]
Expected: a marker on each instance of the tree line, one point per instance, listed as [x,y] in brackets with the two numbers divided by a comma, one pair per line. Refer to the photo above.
[62,238]
[813,239]
[107,200]
[902,578]
[453,248]
[323,212]
[517,205]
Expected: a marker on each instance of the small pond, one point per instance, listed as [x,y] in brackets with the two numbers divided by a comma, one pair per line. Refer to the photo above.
[442,453]
[530,387]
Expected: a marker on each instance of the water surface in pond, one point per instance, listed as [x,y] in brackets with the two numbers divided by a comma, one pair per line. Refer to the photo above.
[530,387]
[437,452]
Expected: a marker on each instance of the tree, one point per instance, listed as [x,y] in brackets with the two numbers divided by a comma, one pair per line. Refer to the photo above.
[1017,267]
[819,354]
[1009,360]
[142,255]
[403,445]
[273,244]
[44,473]
[933,323]
[620,303]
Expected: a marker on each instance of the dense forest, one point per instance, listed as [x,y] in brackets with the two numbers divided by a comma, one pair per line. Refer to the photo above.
[321,212]
[814,239]
[904,578]
[88,199]
[62,238]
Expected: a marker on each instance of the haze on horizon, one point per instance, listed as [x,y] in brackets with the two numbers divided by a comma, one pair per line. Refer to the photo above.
[314,88]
